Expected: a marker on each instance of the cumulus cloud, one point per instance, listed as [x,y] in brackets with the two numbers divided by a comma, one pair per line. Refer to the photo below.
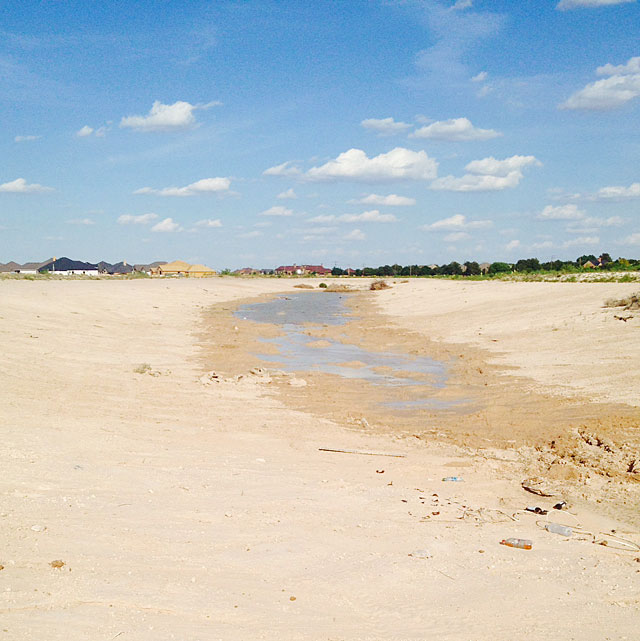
[621,86]
[391,200]
[287,195]
[488,174]
[21,186]
[84,132]
[561,212]
[277,210]
[457,222]
[455,236]
[26,138]
[618,192]
[209,222]
[456,130]
[462,4]
[513,244]
[480,77]
[632,239]
[285,169]
[592,224]
[373,216]
[356,234]
[385,126]
[582,241]
[397,164]
[142,219]
[163,117]
[204,186]
[563,5]
[167,225]
[323,218]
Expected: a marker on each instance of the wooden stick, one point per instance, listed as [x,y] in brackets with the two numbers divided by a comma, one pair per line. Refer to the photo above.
[326,449]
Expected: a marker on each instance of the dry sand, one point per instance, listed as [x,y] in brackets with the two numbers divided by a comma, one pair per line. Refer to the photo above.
[189,511]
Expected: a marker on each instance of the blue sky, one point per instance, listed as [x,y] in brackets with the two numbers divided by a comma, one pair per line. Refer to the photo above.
[350,133]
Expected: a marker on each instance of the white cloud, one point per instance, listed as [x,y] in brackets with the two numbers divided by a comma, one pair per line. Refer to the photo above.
[456,236]
[250,234]
[622,85]
[514,244]
[618,192]
[480,77]
[287,195]
[462,4]
[632,239]
[204,186]
[561,212]
[285,169]
[209,222]
[356,234]
[545,244]
[81,221]
[84,132]
[632,67]
[456,129]
[590,225]
[488,174]
[166,225]
[581,241]
[20,186]
[163,117]
[392,200]
[26,138]
[373,216]
[385,126]
[457,222]
[142,219]
[323,218]
[277,210]
[397,164]
[563,5]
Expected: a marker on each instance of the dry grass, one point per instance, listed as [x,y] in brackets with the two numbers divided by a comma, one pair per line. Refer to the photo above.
[303,286]
[378,284]
[629,302]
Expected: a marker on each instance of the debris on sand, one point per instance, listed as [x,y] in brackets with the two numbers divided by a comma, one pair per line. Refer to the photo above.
[537,486]
[58,563]
[378,284]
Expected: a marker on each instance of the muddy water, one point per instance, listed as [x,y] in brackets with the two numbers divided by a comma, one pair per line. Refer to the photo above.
[300,351]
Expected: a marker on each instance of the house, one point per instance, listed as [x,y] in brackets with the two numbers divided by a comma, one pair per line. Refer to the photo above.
[484,268]
[10,267]
[317,270]
[300,270]
[114,270]
[200,271]
[67,267]
[175,268]
[246,271]
[148,268]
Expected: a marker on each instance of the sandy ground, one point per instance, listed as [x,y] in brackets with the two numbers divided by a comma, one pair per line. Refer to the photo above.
[189,511]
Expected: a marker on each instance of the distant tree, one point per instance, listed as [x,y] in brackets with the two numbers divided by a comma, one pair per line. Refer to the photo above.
[369,271]
[586,258]
[385,270]
[425,270]
[473,269]
[358,272]
[528,265]
[336,271]
[499,268]
[605,258]
[396,269]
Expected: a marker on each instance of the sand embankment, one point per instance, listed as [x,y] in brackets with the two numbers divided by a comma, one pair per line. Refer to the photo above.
[184,511]
[559,335]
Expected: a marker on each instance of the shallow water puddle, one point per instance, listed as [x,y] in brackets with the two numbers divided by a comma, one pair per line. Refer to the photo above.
[298,351]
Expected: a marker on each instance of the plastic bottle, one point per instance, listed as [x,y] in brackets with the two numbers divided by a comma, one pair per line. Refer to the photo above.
[523,544]
[556,528]
[453,478]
